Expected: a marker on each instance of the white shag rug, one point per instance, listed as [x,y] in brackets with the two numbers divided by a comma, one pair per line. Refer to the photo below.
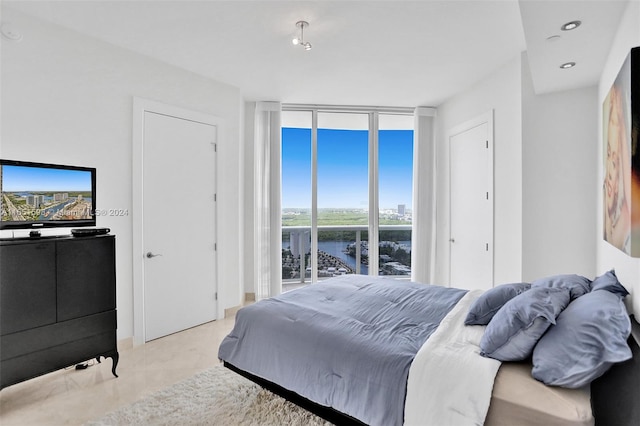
[217,396]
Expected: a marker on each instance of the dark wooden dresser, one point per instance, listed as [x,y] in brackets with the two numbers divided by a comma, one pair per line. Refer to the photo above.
[57,304]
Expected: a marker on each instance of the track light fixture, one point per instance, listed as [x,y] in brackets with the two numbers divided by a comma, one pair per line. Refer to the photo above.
[299,41]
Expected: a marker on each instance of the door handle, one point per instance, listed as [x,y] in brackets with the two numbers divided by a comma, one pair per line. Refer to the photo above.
[452,240]
[150,255]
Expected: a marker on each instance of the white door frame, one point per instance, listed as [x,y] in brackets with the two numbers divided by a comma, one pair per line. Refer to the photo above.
[456,130]
[140,107]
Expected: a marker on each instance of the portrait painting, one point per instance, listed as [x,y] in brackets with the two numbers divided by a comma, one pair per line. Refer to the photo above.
[621,182]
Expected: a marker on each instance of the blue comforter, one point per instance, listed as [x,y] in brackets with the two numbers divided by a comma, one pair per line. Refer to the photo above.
[345,343]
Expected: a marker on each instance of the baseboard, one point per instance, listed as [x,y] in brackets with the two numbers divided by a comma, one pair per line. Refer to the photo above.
[231,311]
[248,297]
[124,344]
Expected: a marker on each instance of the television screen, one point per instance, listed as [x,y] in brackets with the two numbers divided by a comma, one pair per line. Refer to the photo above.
[38,195]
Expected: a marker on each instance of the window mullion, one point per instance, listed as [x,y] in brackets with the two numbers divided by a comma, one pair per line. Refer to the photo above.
[373,194]
[314,196]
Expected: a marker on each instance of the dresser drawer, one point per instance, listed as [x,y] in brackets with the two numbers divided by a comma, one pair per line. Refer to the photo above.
[58,334]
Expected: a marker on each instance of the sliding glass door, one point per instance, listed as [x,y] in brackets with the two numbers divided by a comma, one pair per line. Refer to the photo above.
[346,175]
[296,196]
[395,189]
[343,192]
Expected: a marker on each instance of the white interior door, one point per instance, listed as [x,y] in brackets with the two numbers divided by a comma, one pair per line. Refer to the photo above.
[471,207]
[179,217]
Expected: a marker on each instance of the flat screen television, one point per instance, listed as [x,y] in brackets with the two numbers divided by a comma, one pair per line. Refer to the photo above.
[38,195]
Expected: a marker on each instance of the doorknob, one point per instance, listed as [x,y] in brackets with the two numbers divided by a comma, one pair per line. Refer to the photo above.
[149,255]
[452,240]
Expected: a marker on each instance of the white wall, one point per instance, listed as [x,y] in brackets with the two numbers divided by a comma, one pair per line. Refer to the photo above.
[559,134]
[67,98]
[544,201]
[500,92]
[627,268]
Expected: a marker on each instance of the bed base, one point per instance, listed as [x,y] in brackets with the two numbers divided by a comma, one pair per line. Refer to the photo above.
[326,413]
[614,396]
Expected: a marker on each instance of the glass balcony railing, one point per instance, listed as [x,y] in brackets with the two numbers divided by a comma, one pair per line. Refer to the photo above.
[342,250]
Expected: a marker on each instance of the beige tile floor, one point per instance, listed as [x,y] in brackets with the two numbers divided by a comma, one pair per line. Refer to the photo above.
[73,397]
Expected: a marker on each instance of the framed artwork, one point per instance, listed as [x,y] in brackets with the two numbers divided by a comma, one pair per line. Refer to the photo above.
[621,182]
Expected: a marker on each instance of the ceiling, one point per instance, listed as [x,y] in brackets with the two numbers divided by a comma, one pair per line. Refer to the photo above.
[384,53]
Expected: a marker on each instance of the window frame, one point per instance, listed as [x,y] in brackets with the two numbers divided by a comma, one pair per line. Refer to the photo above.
[373,173]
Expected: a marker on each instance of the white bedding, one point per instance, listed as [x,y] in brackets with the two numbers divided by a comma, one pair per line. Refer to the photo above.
[449,382]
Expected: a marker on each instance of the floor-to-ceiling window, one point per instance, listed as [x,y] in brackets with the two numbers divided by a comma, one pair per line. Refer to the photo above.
[346,175]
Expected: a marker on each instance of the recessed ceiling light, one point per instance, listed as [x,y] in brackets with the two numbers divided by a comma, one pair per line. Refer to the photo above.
[571,25]
[568,65]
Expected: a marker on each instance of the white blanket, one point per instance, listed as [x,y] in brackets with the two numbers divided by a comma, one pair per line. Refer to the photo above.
[449,382]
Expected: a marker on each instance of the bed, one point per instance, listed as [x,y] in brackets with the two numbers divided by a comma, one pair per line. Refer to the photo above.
[372,350]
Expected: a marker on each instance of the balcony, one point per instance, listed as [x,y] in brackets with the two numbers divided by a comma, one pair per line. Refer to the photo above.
[341,250]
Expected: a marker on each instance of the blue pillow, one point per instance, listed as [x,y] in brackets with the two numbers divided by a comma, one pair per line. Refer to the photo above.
[587,339]
[517,326]
[489,302]
[576,284]
[609,282]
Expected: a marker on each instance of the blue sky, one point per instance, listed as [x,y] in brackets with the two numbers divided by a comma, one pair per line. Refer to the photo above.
[343,168]
[20,178]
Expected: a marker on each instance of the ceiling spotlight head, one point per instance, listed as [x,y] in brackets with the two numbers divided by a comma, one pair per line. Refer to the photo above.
[295,41]
[571,25]
[307,46]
